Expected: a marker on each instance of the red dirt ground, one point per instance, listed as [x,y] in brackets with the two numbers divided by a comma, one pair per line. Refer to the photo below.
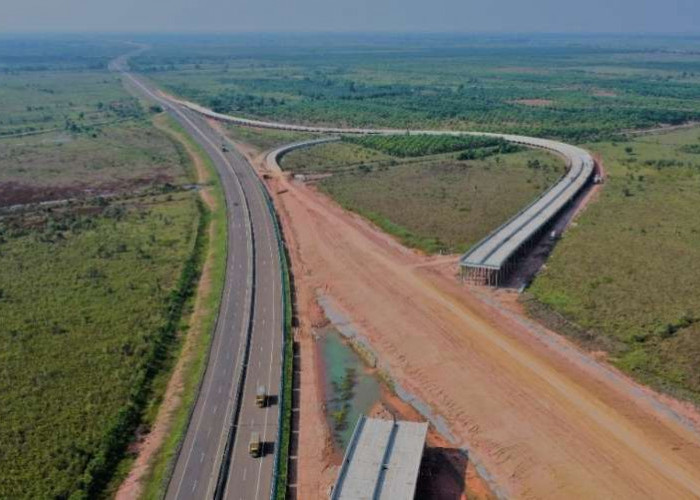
[543,418]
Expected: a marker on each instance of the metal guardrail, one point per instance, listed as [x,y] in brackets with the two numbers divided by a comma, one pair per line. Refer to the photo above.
[286,302]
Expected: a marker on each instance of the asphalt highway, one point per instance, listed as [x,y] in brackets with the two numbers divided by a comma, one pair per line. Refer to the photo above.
[247,347]
[248,341]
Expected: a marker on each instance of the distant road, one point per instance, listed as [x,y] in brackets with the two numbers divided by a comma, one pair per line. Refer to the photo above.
[248,341]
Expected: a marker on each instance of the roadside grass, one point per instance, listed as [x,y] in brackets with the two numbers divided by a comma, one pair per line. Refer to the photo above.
[91,291]
[264,139]
[434,203]
[627,272]
[156,480]
[86,296]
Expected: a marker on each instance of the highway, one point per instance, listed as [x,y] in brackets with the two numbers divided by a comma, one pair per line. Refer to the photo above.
[248,340]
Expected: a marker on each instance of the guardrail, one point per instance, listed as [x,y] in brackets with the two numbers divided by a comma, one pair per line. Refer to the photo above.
[283,436]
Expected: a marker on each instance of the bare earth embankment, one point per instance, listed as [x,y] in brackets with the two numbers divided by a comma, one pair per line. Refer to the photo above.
[544,419]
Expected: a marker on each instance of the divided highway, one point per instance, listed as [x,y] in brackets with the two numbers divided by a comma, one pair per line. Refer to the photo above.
[247,346]
[248,342]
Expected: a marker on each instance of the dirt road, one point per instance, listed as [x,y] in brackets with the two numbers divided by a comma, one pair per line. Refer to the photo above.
[544,419]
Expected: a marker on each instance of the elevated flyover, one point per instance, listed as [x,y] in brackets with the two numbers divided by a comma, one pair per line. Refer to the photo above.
[490,260]
[381,461]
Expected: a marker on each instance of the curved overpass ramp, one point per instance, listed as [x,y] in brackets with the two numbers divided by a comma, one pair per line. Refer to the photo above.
[490,260]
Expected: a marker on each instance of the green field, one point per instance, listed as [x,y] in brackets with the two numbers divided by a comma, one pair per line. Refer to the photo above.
[111,160]
[626,275]
[424,145]
[85,295]
[36,101]
[436,203]
[94,288]
[326,158]
[571,87]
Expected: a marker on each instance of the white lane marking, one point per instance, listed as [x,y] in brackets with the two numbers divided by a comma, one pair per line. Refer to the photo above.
[194,486]
[201,458]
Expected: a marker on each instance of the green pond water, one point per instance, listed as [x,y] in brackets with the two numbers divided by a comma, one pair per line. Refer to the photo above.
[349,389]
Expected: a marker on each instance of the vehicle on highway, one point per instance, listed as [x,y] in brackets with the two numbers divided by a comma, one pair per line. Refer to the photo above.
[255,446]
[261,397]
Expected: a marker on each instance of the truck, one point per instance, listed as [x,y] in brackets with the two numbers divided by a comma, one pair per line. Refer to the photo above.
[255,446]
[261,397]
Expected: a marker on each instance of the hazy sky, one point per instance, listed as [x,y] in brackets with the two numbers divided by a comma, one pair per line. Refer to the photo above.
[648,16]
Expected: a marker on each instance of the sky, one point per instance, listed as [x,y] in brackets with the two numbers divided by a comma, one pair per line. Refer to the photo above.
[467,16]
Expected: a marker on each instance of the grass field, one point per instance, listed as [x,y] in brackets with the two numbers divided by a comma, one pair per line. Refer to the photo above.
[35,101]
[93,291]
[332,157]
[435,203]
[424,145]
[84,299]
[627,273]
[572,87]
[112,160]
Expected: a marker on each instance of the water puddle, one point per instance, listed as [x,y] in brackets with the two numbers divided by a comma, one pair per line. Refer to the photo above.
[350,389]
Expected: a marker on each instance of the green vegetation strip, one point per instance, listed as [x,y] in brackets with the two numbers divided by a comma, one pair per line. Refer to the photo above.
[164,461]
[426,144]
